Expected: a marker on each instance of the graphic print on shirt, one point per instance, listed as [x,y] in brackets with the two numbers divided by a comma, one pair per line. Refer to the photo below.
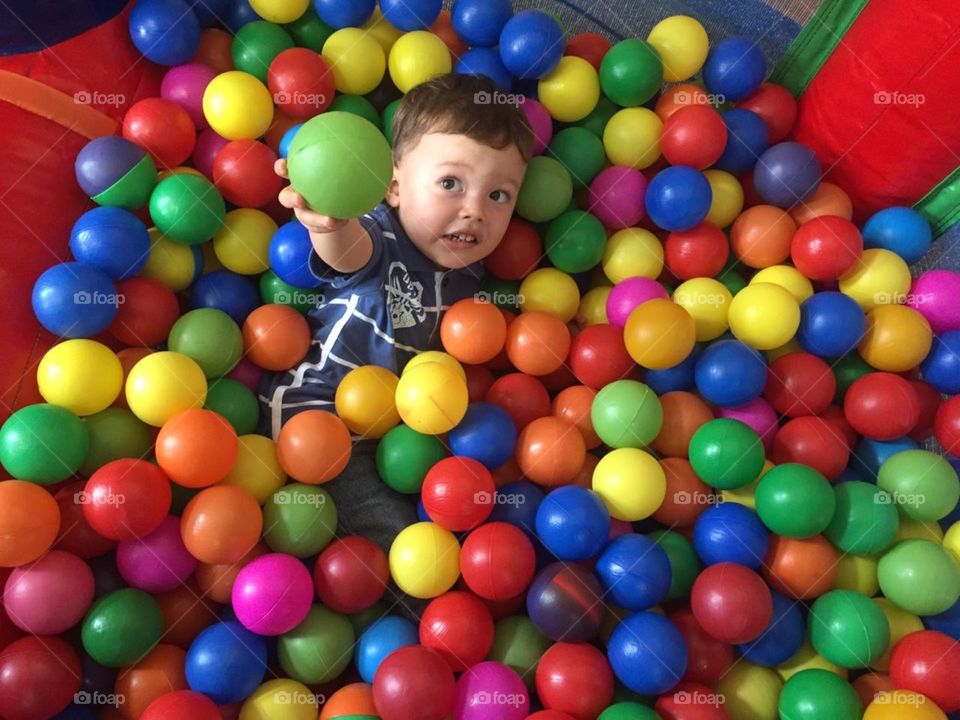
[405,297]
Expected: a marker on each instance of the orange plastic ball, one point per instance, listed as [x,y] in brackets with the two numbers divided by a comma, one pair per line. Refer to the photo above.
[537,343]
[679,96]
[185,617]
[443,28]
[216,581]
[215,50]
[354,700]
[686,497]
[276,337]
[761,236]
[160,672]
[659,334]
[197,448]
[314,446]
[800,568]
[220,524]
[573,404]
[29,522]
[551,451]
[473,331]
[683,414]
[828,199]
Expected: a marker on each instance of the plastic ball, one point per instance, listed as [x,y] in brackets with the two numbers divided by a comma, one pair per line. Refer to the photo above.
[731,602]
[572,523]
[550,451]
[901,230]
[147,314]
[491,683]
[458,493]
[226,662]
[575,241]
[546,191]
[735,68]
[163,384]
[747,139]
[682,44]
[799,384]
[126,499]
[431,398]
[290,249]
[920,577]
[473,331]
[881,406]
[794,500]
[726,454]
[341,15]
[486,62]
[416,57]
[631,137]
[865,520]
[574,679]
[925,662]
[678,198]
[221,524]
[700,252]
[617,200]
[634,571]
[414,681]
[243,173]
[630,293]
[787,174]
[39,677]
[50,595]
[631,72]
[122,627]
[497,560]
[82,376]
[531,44]
[659,334]
[654,664]
[932,296]
[365,401]
[518,253]
[598,356]
[381,638]
[238,106]
[630,482]
[187,209]
[115,172]
[897,338]
[459,627]
[826,247]
[165,31]
[351,699]
[425,560]
[272,594]
[760,237]
[537,342]
[831,324]
[163,129]
[75,300]
[29,520]
[318,649]
[209,337]
[848,629]
[940,368]
[730,373]
[814,692]
[157,562]
[111,239]
[730,532]
[570,92]
[404,456]
[626,413]
[226,291]
[707,301]
[764,316]
[357,60]
[480,23]
[633,253]
[485,434]
[878,277]
[694,136]
[564,603]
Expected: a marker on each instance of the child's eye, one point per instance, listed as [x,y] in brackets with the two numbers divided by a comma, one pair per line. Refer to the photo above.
[500,196]
[451,184]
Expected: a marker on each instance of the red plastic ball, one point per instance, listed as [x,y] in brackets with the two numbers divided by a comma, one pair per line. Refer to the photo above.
[351,574]
[126,499]
[826,247]
[413,682]
[459,627]
[518,253]
[589,46]
[550,715]
[946,427]
[881,406]
[301,82]
[701,251]
[708,659]
[798,384]
[523,397]
[694,136]
[559,379]
[76,536]
[575,678]
[691,701]
[598,356]
[497,561]
[928,662]
[38,677]
[776,107]
[163,129]
[183,705]
[243,173]
[479,380]
[813,441]
[835,417]
[930,402]
[457,493]
[731,602]
[148,311]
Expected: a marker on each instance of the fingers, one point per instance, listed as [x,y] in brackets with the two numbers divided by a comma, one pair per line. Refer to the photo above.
[280,168]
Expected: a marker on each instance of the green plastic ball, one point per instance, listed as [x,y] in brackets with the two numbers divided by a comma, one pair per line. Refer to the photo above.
[299,520]
[628,711]
[519,645]
[848,628]
[115,433]
[732,281]
[795,500]
[309,31]
[341,164]
[546,191]
[726,454]
[847,370]
[43,444]
[187,209]
[626,414]
[404,456]
[255,46]
[505,294]
[387,121]
[356,105]
[209,336]
[365,618]
[685,565]
[575,241]
[815,694]
[122,627]
[924,485]
[132,191]
[236,402]
[274,291]
[319,648]
[920,576]
[865,520]
[631,73]
[596,121]
[580,152]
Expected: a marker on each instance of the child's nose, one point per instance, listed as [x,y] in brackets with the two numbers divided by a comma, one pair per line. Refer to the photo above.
[472,208]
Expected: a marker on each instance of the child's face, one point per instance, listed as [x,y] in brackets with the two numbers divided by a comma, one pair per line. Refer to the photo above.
[455,196]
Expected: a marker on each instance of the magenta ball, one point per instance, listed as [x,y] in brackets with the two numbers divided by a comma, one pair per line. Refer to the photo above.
[206,149]
[51,595]
[272,594]
[248,373]
[617,197]
[541,123]
[490,691]
[629,293]
[184,85]
[757,414]
[157,562]
[936,296]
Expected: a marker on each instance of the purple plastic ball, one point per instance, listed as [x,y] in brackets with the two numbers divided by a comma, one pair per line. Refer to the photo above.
[158,562]
[272,594]
[103,161]
[786,174]
[629,293]
[617,197]
[491,691]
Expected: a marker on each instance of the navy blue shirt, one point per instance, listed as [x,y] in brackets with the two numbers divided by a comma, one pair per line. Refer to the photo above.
[383,314]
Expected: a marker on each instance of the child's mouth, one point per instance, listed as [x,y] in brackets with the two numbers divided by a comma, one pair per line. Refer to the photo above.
[459,240]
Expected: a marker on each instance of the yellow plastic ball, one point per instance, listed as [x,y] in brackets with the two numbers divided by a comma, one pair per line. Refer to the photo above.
[708,302]
[242,243]
[659,334]
[919,530]
[416,57]
[238,106]
[551,291]
[746,495]
[82,375]
[902,623]
[425,560]
[593,306]
[366,401]
[163,384]
[806,658]
[859,573]
[179,170]
[879,277]
[951,541]
[257,469]
[281,699]
[630,482]
[750,692]
[432,398]
[727,199]
[903,705]
[764,316]
[682,44]
[632,137]
[571,91]
[436,356]
[280,11]
[381,30]
[174,264]
[357,60]
[897,339]
[632,252]
[787,277]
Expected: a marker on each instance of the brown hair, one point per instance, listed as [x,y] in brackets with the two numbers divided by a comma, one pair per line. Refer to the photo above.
[462,105]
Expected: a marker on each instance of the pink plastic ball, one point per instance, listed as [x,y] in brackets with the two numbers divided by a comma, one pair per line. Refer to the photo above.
[206,149]
[184,85]
[158,562]
[541,123]
[272,594]
[617,197]
[629,293]
[50,595]
[490,691]
[936,296]
[757,414]
[247,373]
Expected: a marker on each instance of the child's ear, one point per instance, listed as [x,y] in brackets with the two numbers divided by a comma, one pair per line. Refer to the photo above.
[393,190]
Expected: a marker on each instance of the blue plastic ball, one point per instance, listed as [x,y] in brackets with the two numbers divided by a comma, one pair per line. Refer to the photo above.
[734,68]
[517,503]
[531,44]
[105,160]
[227,291]
[678,198]
[730,532]
[634,572]
[209,12]
[165,31]
[381,638]
[283,149]
[486,62]
[941,368]
[648,653]
[564,603]
[678,377]
[112,240]
[831,324]
[409,15]
[486,434]
[869,455]
[226,662]
[747,138]
[730,373]
[787,173]
[901,230]
[289,254]
[573,523]
[422,512]
[340,13]
[947,622]
[75,300]
[782,638]
[480,22]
